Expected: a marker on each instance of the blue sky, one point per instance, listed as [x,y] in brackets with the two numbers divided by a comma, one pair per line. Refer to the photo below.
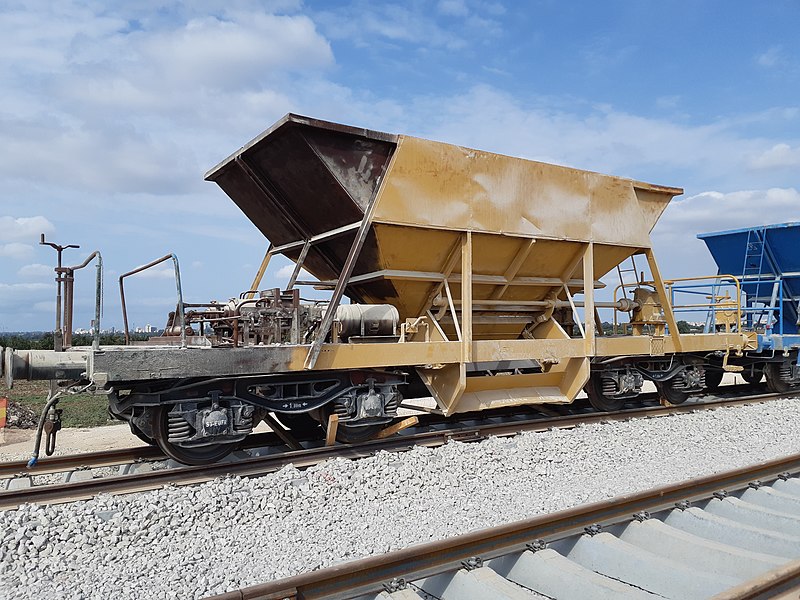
[110,113]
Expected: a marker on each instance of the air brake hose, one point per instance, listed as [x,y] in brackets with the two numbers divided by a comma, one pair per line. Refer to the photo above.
[51,402]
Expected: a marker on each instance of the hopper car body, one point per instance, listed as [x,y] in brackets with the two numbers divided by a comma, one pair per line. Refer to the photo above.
[472,278]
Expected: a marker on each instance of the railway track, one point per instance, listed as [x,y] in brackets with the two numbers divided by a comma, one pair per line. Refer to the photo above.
[138,454]
[433,430]
[731,535]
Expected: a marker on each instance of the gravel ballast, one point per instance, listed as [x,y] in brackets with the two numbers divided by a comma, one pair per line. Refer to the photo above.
[186,542]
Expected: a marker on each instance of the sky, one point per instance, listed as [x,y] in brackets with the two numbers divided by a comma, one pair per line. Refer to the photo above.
[110,114]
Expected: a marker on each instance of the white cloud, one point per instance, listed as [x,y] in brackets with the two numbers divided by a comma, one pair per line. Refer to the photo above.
[681,254]
[138,92]
[286,271]
[235,52]
[101,156]
[714,211]
[44,306]
[157,273]
[12,294]
[370,24]
[596,138]
[668,102]
[35,271]
[24,228]
[772,57]
[16,251]
[777,157]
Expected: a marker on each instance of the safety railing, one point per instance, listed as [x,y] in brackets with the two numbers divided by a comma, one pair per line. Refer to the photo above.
[721,310]
[761,313]
[179,310]
[753,312]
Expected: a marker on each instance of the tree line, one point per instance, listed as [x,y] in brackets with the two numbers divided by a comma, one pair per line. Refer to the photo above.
[45,341]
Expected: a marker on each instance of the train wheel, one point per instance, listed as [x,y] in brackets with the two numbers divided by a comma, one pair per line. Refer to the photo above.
[753,374]
[713,378]
[350,434]
[301,424]
[198,455]
[598,400]
[776,374]
[670,394]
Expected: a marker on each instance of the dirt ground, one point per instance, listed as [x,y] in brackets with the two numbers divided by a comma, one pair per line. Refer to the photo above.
[16,444]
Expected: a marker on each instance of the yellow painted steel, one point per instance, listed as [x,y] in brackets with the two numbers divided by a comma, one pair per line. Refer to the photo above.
[439,185]
[487,258]
[532,226]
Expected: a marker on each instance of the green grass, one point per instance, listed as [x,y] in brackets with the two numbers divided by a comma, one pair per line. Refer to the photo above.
[80,410]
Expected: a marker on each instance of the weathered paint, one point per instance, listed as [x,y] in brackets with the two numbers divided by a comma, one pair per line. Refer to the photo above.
[474,249]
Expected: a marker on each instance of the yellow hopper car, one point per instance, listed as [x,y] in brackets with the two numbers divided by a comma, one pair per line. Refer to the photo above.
[466,276]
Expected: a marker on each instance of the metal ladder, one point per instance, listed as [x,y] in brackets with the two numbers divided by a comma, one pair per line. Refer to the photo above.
[621,273]
[752,267]
[781,299]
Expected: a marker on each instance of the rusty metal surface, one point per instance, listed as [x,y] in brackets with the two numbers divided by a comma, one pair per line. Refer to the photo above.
[442,229]
[782,583]
[304,177]
[359,577]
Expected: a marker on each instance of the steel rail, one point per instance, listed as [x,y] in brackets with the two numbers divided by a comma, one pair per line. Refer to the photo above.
[352,579]
[105,458]
[250,467]
[782,580]
[110,458]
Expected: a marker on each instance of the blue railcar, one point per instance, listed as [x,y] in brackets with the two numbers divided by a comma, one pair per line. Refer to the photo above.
[765,260]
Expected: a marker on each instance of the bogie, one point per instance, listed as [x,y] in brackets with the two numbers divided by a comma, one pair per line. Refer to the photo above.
[782,377]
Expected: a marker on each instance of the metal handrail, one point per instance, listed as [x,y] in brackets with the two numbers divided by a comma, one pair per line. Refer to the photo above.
[713,281]
[179,310]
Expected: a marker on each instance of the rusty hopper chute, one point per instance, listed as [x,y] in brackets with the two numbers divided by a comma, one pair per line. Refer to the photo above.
[305,179]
